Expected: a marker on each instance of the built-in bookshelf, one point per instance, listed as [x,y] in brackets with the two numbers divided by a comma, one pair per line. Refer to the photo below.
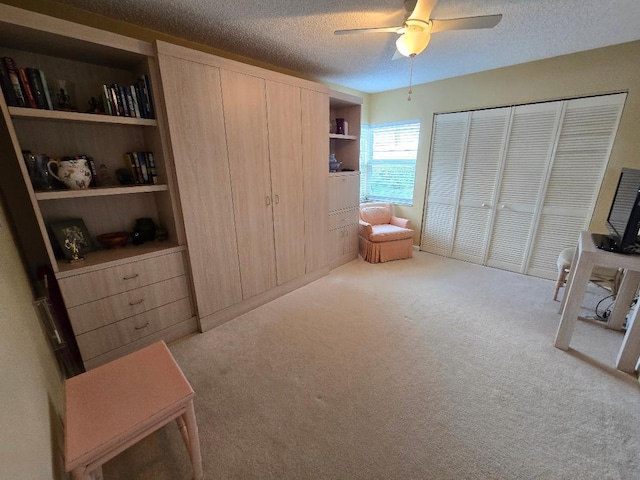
[345,146]
[101,108]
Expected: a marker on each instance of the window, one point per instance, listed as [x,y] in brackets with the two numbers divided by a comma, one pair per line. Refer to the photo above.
[388,162]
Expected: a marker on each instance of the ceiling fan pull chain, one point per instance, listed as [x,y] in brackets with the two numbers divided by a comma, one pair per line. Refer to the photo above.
[411,78]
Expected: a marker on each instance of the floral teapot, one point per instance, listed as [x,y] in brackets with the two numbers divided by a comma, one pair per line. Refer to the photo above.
[75,174]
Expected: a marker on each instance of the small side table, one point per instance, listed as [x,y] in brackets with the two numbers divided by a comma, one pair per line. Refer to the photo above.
[112,407]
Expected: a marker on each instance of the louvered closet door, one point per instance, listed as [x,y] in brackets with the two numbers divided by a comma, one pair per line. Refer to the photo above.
[529,150]
[447,150]
[481,170]
[582,153]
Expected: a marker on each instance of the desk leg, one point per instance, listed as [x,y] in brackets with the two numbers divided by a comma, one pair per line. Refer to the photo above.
[630,350]
[183,430]
[574,295]
[193,444]
[567,284]
[621,307]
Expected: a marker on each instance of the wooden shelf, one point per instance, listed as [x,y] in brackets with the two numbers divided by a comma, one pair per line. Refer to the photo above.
[100,192]
[38,114]
[342,137]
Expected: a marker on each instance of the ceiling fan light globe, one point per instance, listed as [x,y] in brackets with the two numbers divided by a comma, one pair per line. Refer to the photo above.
[412,43]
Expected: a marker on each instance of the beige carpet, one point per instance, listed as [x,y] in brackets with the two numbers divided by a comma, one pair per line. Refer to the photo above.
[428,368]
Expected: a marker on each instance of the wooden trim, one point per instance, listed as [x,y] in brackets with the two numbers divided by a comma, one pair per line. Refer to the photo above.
[341,99]
[336,262]
[99,192]
[43,23]
[33,113]
[184,53]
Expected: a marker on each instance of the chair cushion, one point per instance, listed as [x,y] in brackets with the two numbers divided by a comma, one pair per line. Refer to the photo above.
[388,233]
[375,215]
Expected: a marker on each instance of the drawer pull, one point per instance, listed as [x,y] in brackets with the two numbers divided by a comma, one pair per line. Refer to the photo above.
[143,326]
[137,302]
[131,277]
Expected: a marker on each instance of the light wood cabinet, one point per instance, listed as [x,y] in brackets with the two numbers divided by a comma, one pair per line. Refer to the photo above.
[151,294]
[344,203]
[268,132]
[85,59]
[199,149]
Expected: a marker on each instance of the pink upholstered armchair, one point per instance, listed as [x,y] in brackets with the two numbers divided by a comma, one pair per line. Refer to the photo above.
[383,237]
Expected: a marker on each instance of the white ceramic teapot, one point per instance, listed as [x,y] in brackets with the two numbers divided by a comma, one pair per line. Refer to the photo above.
[75,174]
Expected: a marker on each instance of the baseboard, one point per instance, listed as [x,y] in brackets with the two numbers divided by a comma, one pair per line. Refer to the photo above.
[342,260]
[223,316]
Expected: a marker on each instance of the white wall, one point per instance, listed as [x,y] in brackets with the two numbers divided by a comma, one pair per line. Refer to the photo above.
[31,392]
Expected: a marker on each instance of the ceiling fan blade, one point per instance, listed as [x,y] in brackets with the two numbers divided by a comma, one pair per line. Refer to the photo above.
[422,10]
[397,55]
[466,23]
[368,30]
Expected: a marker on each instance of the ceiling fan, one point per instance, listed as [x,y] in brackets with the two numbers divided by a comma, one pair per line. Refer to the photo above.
[416,30]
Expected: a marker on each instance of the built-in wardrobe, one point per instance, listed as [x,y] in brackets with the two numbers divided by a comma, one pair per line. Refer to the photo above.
[250,150]
[511,187]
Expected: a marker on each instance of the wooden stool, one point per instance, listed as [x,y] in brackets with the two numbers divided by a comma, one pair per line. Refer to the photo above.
[112,407]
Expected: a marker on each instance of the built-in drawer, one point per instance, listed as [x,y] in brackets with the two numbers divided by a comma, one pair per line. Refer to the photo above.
[87,287]
[102,340]
[105,311]
[343,218]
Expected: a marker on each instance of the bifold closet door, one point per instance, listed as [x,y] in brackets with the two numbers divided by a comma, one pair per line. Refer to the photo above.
[481,167]
[530,147]
[196,131]
[583,148]
[245,115]
[448,147]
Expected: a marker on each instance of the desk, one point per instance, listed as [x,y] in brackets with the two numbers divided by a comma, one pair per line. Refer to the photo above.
[112,407]
[586,257]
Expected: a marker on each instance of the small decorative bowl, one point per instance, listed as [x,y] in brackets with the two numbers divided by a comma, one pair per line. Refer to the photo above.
[113,239]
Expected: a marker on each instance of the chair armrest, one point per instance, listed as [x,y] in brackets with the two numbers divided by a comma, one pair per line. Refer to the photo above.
[400,222]
[364,229]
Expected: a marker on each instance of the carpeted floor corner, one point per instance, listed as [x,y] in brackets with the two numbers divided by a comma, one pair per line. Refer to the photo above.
[427,368]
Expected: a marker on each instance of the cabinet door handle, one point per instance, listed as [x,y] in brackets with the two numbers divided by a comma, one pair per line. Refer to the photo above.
[143,326]
[503,206]
[137,302]
[268,200]
[484,204]
[277,199]
[131,277]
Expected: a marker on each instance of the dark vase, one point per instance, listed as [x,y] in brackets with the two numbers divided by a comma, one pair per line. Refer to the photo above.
[146,229]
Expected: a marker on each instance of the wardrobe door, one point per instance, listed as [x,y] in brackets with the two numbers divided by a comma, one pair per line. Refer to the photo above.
[586,137]
[529,150]
[447,151]
[315,155]
[481,172]
[285,152]
[245,115]
[197,136]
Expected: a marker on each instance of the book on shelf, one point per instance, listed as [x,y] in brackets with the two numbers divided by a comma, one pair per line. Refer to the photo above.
[45,87]
[12,71]
[35,80]
[26,88]
[134,98]
[151,165]
[7,87]
[147,98]
[107,100]
[142,167]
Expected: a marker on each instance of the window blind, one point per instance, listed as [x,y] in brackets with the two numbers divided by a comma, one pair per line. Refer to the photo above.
[388,162]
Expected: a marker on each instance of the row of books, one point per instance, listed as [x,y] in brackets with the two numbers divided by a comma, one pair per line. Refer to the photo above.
[24,87]
[129,100]
[142,166]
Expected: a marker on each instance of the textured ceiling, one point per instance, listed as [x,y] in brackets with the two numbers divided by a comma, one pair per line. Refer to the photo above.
[298,34]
